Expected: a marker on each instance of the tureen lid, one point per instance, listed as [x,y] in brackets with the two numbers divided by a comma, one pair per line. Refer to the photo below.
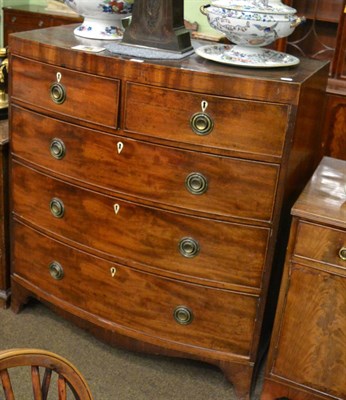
[259,6]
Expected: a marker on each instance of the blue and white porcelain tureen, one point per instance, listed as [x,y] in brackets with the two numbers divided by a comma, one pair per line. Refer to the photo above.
[251,24]
[102,18]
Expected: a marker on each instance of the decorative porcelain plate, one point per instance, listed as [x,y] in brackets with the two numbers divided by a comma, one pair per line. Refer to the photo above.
[246,56]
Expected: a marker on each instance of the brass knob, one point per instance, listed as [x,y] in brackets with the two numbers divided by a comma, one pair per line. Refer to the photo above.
[57,148]
[201,123]
[189,247]
[57,92]
[196,183]
[57,207]
[183,315]
[342,253]
[56,270]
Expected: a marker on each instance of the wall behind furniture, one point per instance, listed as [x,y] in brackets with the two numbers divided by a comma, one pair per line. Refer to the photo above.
[191,11]
[192,14]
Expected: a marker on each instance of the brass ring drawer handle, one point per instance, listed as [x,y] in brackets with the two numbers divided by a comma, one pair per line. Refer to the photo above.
[57,207]
[196,183]
[201,123]
[189,247]
[183,315]
[57,92]
[57,148]
[342,253]
[56,271]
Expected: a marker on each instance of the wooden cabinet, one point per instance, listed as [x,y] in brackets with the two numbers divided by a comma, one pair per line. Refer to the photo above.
[4,3]
[28,17]
[147,196]
[323,36]
[307,359]
[4,234]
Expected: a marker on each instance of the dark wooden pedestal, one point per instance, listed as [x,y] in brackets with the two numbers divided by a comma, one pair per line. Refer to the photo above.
[159,25]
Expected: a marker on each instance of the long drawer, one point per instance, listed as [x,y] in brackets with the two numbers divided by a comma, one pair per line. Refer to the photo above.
[74,92]
[251,127]
[184,245]
[171,310]
[196,181]
[17,22]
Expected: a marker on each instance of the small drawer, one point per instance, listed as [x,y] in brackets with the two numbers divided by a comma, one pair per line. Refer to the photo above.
[196,181]
[251,127]
[66,92]
[188,247]
[322,244]
[126,298]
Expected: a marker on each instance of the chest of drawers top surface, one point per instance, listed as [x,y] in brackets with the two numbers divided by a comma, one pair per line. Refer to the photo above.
[324,198]
[38,9]
[276,85]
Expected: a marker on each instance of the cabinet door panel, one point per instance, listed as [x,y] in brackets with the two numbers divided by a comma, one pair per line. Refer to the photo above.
[334,130]
[341,70]
[311,347]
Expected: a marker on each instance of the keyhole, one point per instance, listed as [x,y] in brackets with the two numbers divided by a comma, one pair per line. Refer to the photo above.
[116,208]
[120,147]
[113,272]
[204,105]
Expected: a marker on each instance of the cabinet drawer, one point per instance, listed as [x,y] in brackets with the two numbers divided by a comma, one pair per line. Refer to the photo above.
[251,127]
[220,320]
[190,247]
[322,244]
[187,179]
[80,88]
[17,22]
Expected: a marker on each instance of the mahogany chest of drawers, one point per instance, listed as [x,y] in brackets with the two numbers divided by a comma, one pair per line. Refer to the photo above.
[29,17]
[147,196]
[307,358]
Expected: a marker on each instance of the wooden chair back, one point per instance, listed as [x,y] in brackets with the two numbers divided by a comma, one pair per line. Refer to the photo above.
[38,361]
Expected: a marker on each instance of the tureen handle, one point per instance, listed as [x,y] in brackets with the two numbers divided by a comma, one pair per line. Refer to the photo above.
[202,9]
[298,21]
